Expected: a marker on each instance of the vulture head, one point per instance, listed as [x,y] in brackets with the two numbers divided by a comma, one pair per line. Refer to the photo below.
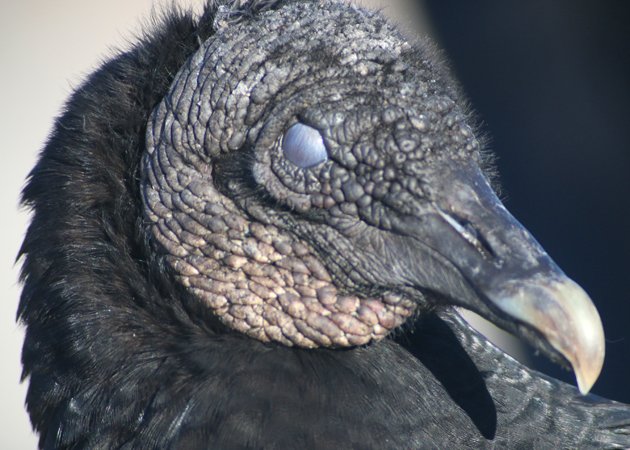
[245,208]
[322,180]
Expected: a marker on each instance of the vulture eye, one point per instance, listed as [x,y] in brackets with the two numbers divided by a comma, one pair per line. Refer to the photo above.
[304,146]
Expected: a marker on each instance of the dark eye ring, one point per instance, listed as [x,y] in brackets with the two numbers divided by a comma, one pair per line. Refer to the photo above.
[304,146]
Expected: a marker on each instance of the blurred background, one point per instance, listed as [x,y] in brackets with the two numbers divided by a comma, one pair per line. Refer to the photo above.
[550,82]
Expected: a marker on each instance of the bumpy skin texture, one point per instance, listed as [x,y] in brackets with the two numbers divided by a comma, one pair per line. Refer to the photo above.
[128,342]
[261,280]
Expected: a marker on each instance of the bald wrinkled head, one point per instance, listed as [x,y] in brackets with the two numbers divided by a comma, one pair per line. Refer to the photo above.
[313,178]
[348,75]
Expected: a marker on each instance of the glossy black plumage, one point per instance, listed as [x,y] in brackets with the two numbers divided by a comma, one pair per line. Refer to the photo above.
[120,355]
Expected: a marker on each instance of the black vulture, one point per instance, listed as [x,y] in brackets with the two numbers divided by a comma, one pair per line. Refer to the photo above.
[252,230]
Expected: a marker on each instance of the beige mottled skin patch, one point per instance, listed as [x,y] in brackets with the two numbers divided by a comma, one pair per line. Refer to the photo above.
[256,279]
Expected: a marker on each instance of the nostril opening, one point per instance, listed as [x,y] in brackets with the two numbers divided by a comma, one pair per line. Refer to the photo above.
[469,228]
[473,236]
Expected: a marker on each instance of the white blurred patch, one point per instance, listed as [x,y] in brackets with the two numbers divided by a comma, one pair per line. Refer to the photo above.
[502,339]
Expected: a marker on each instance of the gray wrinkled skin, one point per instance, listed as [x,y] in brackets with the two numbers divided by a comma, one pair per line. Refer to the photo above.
[284,279]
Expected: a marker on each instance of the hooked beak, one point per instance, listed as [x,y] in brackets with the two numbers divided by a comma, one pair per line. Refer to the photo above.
[564,315]
[473,253]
